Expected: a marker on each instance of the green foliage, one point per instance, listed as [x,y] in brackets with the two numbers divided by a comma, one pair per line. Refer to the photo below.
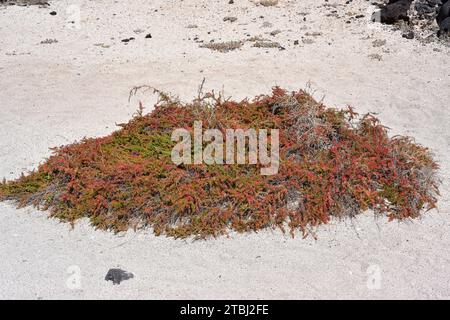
[334,163]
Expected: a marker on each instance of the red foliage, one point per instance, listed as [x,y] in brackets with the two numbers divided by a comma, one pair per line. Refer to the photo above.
[333,163]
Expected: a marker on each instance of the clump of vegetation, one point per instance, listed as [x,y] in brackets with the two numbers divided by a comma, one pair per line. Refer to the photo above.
[266,44]
[268,3]
[256,38]
[333,163]
[258,42]
[223,46]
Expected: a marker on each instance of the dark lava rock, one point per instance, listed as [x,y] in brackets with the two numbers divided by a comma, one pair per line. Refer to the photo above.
[408,35]
[118,275]
[445,26]
[128,40]
[444,12]
[394,11]
[443,18]
[419,16]
[425,8]
[53,13]
[148,36]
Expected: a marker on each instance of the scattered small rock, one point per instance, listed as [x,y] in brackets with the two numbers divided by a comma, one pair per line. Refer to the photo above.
[408,35]
[118,275]
[127,40]
[230,19]
[148,36]
[49,41]
[275,32]
[53,13]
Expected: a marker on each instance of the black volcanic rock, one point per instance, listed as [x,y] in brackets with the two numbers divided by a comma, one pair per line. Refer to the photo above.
[416,16]
[443,18]
[444,12]
[394,11]
[118,275]
[444,26]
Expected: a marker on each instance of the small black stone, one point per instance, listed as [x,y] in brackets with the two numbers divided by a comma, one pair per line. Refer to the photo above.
[53,13]
[408,35]
[118,275]
[148,36]
[128,40]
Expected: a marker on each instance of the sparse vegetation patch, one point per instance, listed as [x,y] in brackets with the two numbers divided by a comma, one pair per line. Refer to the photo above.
[223,46]
[268,3]
[266,44]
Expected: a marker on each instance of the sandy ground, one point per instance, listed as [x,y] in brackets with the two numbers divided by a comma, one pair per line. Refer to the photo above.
[56,93]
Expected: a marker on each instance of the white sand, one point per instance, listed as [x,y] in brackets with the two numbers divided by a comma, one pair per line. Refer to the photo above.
[53,94]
